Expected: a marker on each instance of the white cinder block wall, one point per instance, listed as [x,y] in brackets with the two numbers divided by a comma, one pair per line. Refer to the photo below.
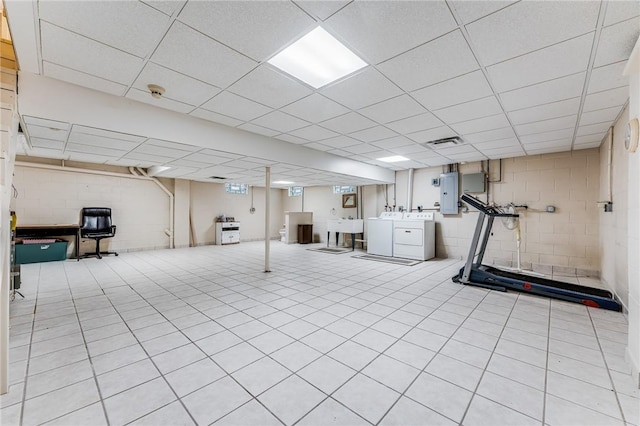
[140,209]
[209,200]
[566,239]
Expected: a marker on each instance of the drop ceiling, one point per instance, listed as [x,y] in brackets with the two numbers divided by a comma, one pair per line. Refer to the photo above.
[509,78]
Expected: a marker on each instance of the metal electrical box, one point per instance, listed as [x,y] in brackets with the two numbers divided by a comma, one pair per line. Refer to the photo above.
[449,193]
[474,182]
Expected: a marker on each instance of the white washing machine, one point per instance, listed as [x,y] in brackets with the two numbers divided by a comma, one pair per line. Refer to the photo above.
[414,236]
[380,233]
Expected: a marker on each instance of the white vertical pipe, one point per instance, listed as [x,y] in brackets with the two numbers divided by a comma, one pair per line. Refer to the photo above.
[267,217]
[409,190]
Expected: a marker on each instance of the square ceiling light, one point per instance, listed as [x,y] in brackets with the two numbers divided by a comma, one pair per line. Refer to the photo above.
[317,59]
[393,159]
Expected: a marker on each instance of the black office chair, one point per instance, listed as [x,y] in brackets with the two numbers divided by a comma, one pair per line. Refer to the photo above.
[96,225]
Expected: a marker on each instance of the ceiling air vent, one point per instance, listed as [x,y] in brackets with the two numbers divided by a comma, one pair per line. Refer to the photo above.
[217,178]
[444,142]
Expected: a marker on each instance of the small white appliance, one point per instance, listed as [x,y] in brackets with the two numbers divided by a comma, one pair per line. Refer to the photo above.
[414,236]
[380,233]
[227,233]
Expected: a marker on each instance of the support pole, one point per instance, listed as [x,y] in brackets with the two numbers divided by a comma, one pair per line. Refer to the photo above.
[267,217]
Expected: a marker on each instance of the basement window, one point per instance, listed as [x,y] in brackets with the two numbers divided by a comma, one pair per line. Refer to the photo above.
[343,189]
[236,188]
[295,191]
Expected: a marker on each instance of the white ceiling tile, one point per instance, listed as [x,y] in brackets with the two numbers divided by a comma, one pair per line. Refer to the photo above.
[459,149]
[409,150]
[373,134]
[315,108]
[82,79]
[107,133]
[313,133]
[617,41]
[559,60]
[621,10]
[166,6]
[83,54]
[235,106]
[129,26]
[280,121]
[47,132]
[53,124]
[495,154]
[243,164]
[586,146]
[179,87]
[381,30]
[393,142]
[88,158]
[256,29]
[183,162]
[216,153]
[340,142]
[545,112]
[348,123]
[101,141]
[166,103]
[362,148]
[269,87]
[319,146]
[469,11]
[219,170]
[210,158]
[592,129]
[490,135]
[608,77]
[172,145]
[481,124]
[215,117]
[589,139]
[393,109]
[441,59]
[469,110]
[250,127]
[322,9]
[606,115]
[431,134]
[292,139]
[547,125]
[97,150]
[547,136]
[550,91]
[47,143]
[461,89]
[552,145]
[467,156]
[48,153]
[530,25]
[416,123]
[190,52]
[502,143]
[356,91]
[606,99]
[158,151]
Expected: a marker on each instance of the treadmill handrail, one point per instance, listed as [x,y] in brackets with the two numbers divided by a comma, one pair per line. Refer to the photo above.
[484,208]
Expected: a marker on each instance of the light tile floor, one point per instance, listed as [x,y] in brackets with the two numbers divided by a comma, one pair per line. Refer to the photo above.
[203,335]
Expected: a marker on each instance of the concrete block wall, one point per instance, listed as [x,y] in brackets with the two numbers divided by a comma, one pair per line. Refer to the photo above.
[140,209]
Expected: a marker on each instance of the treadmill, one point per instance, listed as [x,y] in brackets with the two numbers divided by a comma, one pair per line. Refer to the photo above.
[476,274]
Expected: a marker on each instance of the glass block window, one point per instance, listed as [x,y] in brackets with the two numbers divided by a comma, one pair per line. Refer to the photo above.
[295,191]
[236,188]
[343,189]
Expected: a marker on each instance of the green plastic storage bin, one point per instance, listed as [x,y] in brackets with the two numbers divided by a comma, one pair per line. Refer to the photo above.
[41,252]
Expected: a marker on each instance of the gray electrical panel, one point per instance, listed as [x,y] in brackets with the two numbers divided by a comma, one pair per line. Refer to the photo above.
[449,193]
[473,182]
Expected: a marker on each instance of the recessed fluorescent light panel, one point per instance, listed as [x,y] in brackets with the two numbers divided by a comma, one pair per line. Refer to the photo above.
[393,159]
[317,59]
[282,182]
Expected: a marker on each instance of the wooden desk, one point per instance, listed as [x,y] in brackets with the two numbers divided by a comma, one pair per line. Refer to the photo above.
[57,230]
